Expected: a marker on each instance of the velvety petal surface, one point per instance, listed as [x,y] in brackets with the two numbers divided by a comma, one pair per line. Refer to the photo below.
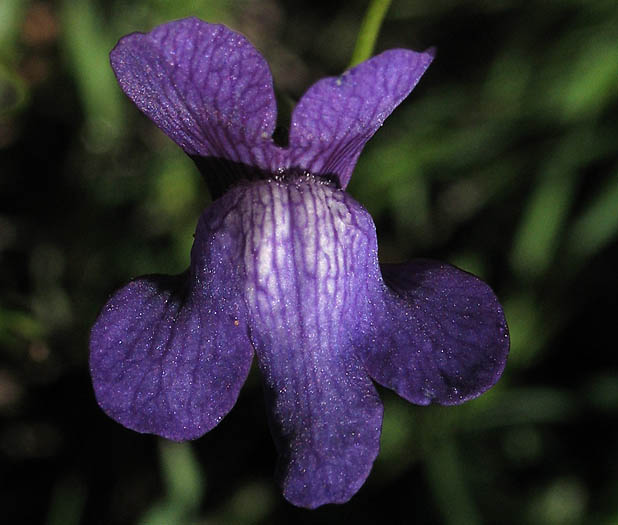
[338,115]
[441,335]
[308,249]
[170,354]
[207,88]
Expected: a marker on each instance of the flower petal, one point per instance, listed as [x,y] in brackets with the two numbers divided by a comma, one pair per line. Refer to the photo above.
[170,354]
[338,115]
[206,87]
[307,252]
[325,416]
[441,334]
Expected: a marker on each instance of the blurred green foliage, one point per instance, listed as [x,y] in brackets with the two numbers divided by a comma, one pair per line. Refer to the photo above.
[504,161]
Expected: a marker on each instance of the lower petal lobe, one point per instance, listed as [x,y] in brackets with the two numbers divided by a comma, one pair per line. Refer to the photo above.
[306,260]
[170,354]
[440,334]
[325,416]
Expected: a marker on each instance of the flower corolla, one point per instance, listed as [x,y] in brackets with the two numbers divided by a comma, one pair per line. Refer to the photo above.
[284,268]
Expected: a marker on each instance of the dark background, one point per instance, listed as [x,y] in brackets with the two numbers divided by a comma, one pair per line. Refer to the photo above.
[503,161]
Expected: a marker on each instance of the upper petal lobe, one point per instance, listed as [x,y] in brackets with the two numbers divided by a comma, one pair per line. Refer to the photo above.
[206,87]
[338,115]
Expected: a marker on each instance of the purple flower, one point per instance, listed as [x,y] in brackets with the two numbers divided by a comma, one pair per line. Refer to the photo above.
[284,266]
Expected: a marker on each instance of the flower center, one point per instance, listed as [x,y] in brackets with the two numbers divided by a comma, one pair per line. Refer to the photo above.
[307,248]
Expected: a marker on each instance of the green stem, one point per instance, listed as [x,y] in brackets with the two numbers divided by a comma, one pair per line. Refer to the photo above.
[368,33]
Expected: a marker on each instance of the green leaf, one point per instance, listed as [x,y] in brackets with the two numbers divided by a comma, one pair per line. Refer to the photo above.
[597,225]
[87,45]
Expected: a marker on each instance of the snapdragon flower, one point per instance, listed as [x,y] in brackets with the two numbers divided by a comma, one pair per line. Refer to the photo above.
[284,267]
